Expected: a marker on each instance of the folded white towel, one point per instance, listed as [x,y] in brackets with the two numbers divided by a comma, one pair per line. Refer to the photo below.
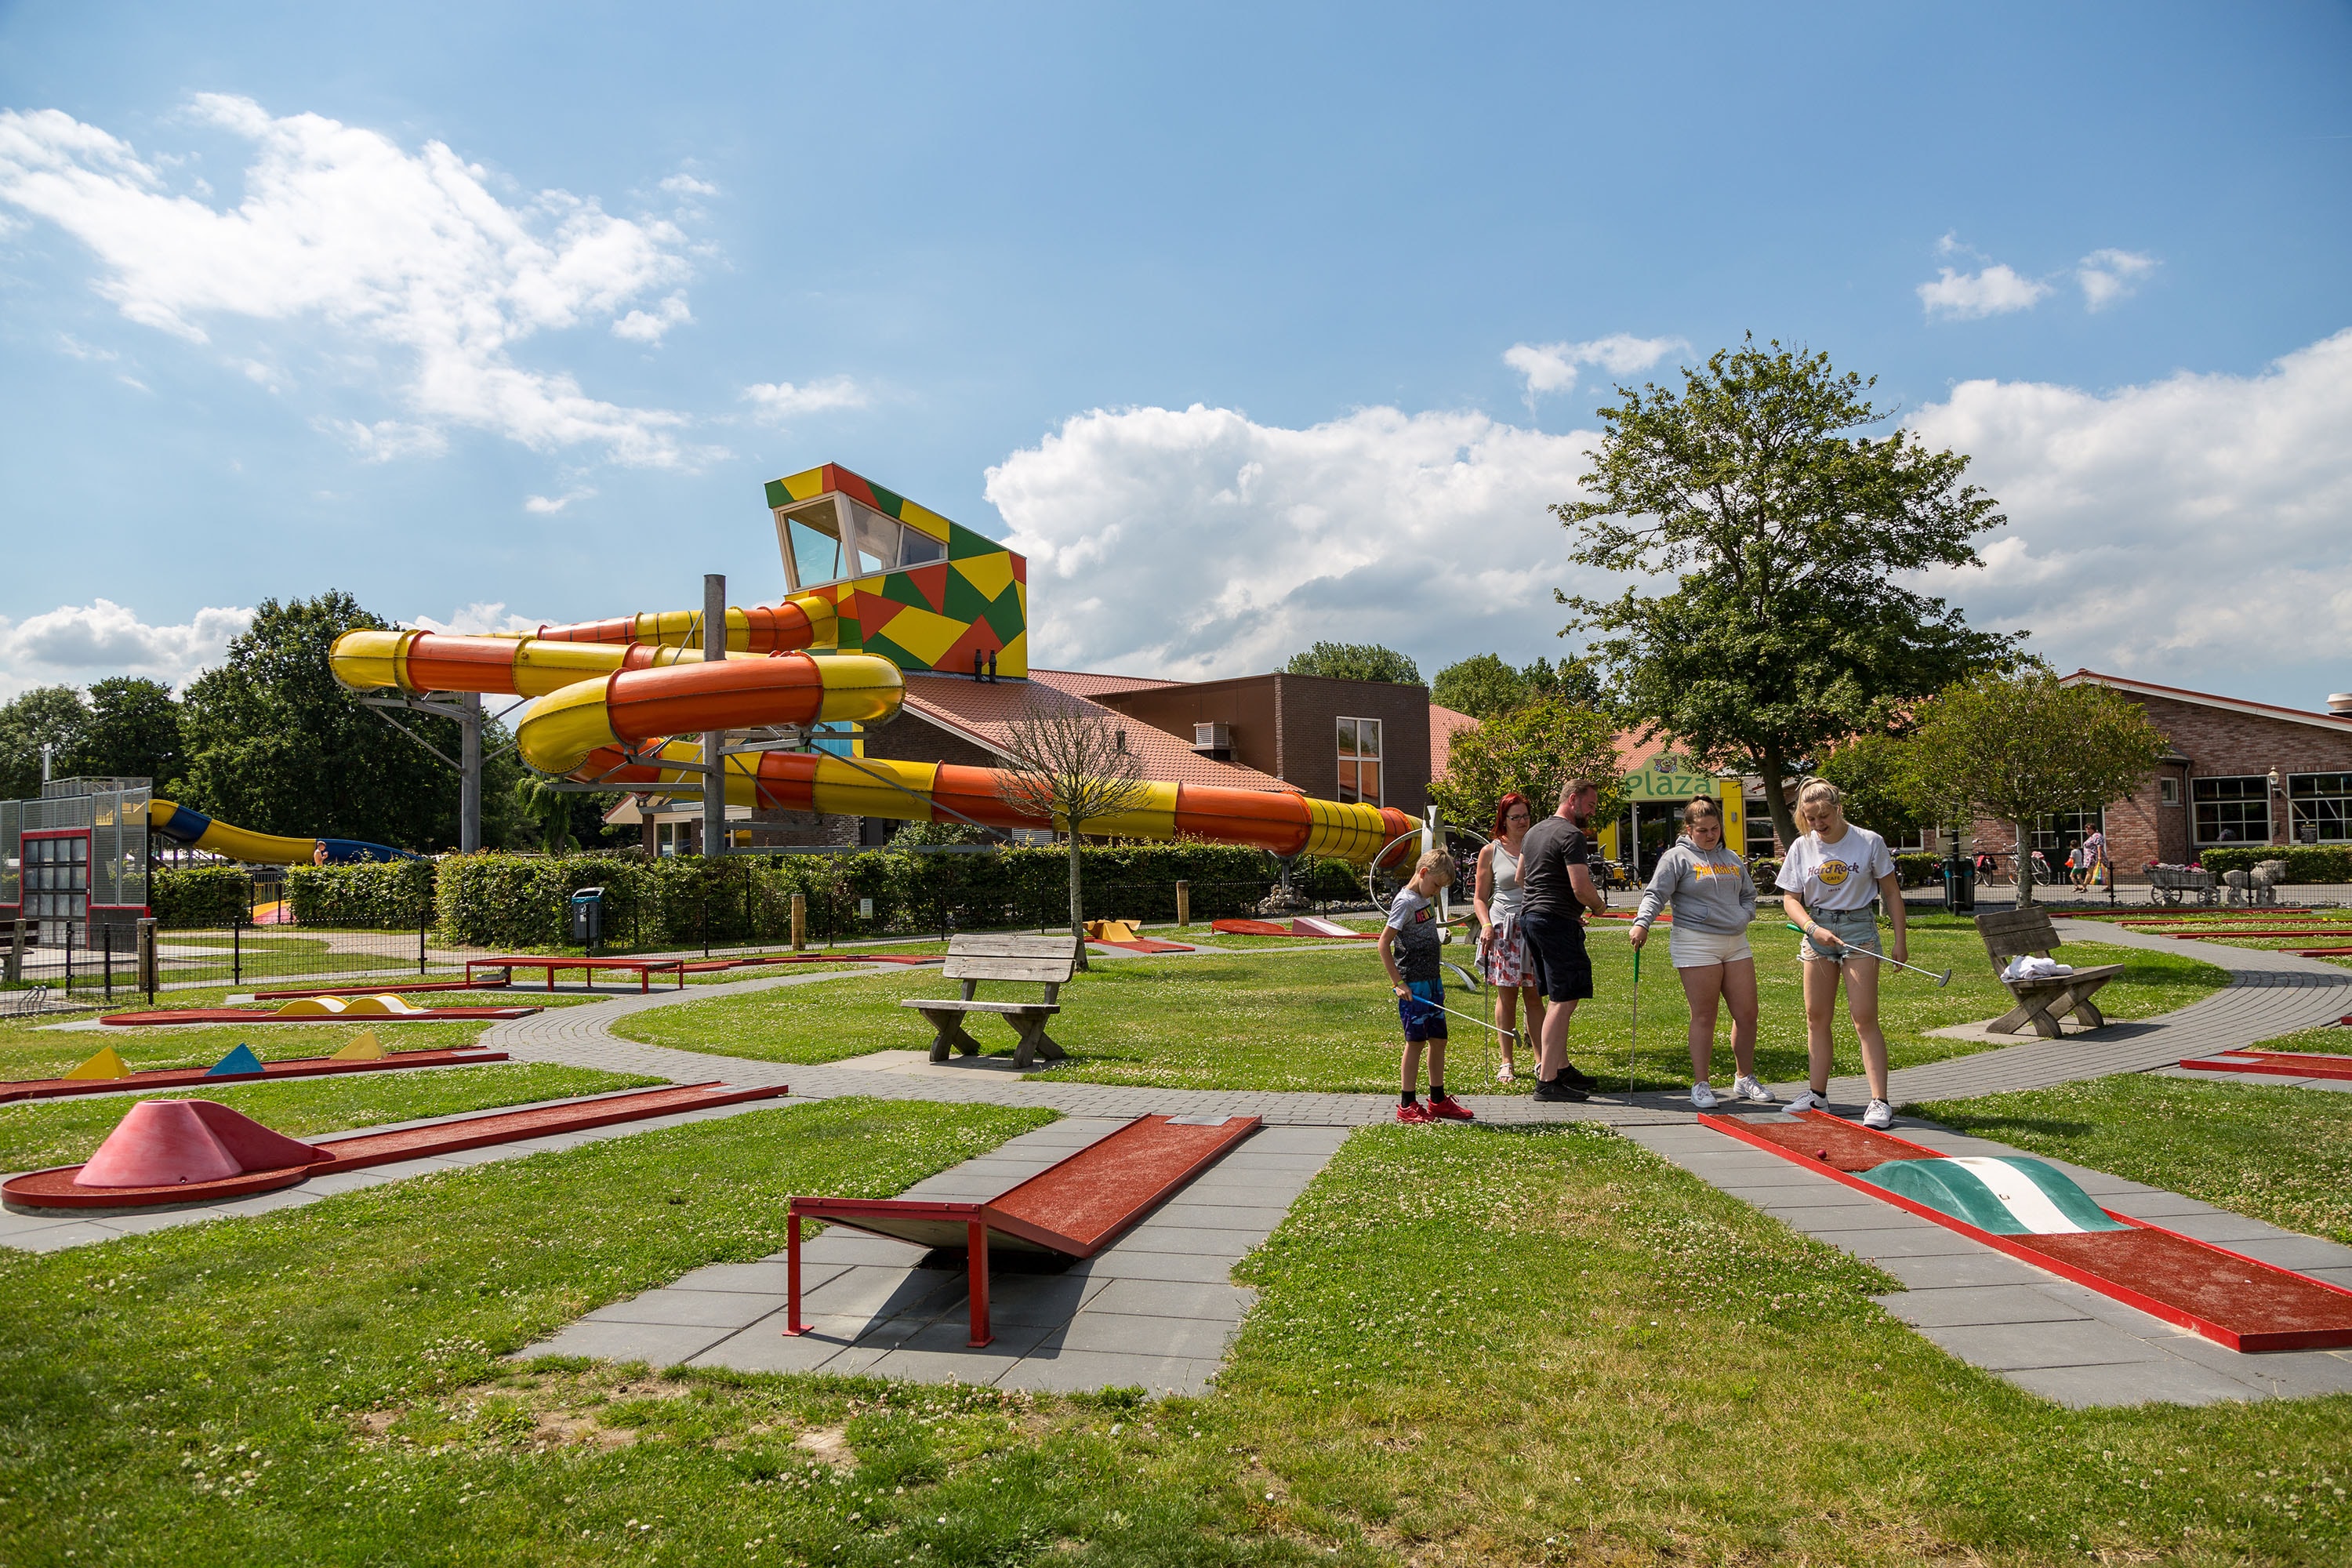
[2032,966]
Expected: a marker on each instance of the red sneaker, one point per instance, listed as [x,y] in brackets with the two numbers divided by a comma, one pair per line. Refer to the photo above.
[1449,1109]
[1414,1115]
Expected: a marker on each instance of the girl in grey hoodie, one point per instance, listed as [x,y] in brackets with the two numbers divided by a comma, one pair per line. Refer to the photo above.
[1714,900]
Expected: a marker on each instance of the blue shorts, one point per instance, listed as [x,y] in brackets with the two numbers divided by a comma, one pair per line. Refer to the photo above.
[1419,1012]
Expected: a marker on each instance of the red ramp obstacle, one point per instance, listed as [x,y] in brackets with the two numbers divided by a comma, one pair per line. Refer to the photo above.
[1310,926]
[196,1151]
[2034,1211]
[1073,1209]
[2279,1064]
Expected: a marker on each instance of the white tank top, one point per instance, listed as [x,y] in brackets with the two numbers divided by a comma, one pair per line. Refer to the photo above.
[1508,895]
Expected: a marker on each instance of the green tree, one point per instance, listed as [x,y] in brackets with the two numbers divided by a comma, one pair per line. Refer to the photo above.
[274,744]
[2016,747]
[1355,661]
[549,809]
[1534,751]
[134,732]
[47,715]
[1482,686]
[1575,681]
[1874,777]
[1789,628]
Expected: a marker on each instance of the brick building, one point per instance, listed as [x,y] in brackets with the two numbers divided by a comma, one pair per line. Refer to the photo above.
[2238,773]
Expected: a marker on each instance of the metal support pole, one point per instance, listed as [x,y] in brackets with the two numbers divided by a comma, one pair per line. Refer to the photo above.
[109,939]
[469,773]
[147,964]
[714,783]
[15,970]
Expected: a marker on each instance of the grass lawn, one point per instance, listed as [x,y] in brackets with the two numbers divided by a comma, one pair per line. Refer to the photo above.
[2279,1154]
[1323,1019]
[61,1131]
[211,1394]
[1470,1346]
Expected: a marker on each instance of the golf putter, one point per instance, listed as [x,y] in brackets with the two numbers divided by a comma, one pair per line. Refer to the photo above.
[1941,980]
[1636,1047]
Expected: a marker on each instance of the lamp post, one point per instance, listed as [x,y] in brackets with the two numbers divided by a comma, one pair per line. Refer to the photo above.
[2276,794]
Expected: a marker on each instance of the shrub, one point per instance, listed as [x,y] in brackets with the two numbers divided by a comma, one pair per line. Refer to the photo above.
[199,897]
[380,893]
[1918,869]
[2305,862]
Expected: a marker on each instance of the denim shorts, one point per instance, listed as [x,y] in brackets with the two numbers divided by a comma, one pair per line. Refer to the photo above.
[1857,929]
[1419,1012]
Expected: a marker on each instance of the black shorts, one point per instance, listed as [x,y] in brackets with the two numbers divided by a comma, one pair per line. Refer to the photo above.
[1556,949]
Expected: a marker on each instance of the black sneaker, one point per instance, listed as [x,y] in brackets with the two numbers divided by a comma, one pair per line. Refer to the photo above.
[1558,1089]
[1576,1076]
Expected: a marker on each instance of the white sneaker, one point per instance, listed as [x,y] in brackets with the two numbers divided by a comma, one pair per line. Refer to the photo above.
[1748,1088]
[1806,1100]
[1880,1114]
[1702,1096]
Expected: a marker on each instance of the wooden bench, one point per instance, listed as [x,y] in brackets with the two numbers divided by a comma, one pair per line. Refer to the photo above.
[2012,933]
[1044,961]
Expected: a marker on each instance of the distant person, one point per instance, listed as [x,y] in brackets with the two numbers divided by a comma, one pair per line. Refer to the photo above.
[1409,944]
[2094,853]
[1714,900]
[318,854]
[1557,887]
[1828,883]
[1499,899]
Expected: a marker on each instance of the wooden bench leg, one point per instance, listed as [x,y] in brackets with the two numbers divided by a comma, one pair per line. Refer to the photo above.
[949,1033]
[1034,1042]
[975,1252]
[2085,1012]
[2034,1010]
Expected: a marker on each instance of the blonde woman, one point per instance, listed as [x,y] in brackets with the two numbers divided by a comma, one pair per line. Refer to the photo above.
[1714,900]
[1502,951]
[1828,882]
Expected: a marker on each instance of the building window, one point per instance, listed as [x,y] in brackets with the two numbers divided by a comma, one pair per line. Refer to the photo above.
[1911,840]
[2057,834]
[1360,761]
[2168,790]
[2319,807]
[1759,816]
[2232,811]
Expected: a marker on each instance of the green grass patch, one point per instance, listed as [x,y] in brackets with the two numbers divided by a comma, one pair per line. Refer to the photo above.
[2279,1154]
[220,1394]
[1323,1019]
[61,1131]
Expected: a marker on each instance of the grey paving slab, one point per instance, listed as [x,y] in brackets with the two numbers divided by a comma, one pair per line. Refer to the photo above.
[873,1291]
[1983,1268]
[764,1278]
[765,1347]
[1131,1263]
[1067,1372]
[2280,1374]
[1966,1306]
[1174,1299]
[1189,1238]
[1923,1241]
[2168,1382]
[659,1344]
[679,1307]
[2011,1347]
[1128,1333]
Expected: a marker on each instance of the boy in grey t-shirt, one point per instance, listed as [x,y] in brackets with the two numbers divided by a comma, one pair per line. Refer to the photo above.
[1409,945]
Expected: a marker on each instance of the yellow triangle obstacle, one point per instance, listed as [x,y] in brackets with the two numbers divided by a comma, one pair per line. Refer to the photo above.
[106,1064]
[1111,930]
[364,1048]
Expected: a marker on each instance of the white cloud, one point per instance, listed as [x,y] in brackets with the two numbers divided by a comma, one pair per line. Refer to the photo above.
[640,326]
[85,643]
[1970,296]
[687,186]
[1198,543]
[342,226]
[548,506]
[388,438]
[475,620]
[81,350]
[2107,276]
[1551,367]
[779,401]
[2191,529]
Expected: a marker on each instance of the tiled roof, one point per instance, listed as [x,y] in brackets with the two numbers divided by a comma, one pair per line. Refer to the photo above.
[1444,723]
[985,711]
[2208,700]
[1081,683]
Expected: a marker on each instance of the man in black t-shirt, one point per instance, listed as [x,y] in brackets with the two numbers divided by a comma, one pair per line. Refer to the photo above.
[1559,889]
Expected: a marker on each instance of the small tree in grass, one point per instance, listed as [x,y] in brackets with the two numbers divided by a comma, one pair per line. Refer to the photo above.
[1071,768]
[2018,747]
[1874,775]
[1533,750]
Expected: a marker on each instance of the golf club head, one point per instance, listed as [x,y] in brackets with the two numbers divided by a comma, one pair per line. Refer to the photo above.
[1943,980]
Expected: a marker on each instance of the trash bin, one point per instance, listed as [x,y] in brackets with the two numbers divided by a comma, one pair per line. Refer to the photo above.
[1959,885]
[586,922]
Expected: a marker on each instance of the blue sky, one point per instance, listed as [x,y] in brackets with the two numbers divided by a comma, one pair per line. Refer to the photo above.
[1253,325]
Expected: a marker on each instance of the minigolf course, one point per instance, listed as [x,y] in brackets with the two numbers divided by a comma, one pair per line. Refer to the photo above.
[199,1151]
[2035,1213]
[384,1007]
[107,1073]
[2274,1064]
[1071,1210]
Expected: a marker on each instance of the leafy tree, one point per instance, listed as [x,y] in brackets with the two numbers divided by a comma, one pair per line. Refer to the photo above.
[1070,768]
[134,732]
[1533,750]
[1575,681]
[1355,661]
[549,808]
[1874,775]
[1789,628]
[47,715]
[274,744]
[2016,747]
[1482,686]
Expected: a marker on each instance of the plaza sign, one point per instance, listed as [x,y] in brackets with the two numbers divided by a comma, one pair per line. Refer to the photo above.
[1659,785]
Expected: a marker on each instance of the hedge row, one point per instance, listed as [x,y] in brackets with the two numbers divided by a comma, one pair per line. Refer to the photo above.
[380,893]
[2305,862]
[199,897]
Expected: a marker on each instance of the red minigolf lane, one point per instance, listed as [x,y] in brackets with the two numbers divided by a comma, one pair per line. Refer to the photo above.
[396,988]
[249,1015]
[55,1188]
[2278,1064]
[1088,1200]
[190,1077]
[2236,1301]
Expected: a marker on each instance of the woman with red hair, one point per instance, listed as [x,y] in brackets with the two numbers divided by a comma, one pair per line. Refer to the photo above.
[1502,951]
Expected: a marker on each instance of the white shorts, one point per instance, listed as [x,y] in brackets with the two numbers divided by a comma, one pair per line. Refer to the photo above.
[1698,949]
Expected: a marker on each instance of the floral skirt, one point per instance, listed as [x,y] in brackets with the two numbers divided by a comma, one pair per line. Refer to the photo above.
[1506,963]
